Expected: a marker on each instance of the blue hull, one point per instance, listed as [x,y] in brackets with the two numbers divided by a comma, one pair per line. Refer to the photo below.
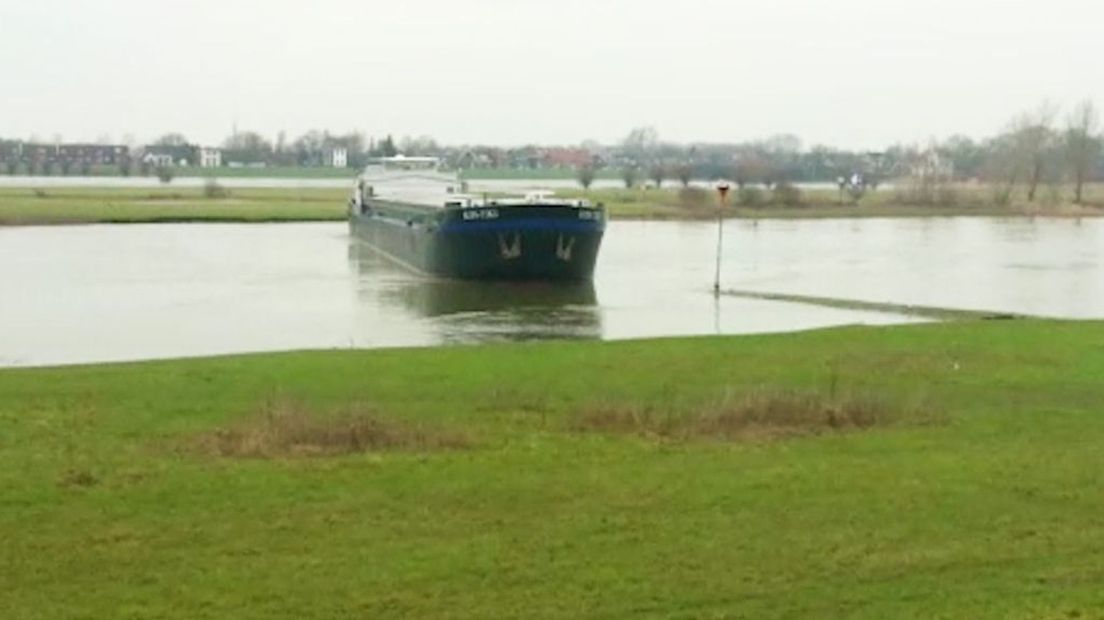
[512,242]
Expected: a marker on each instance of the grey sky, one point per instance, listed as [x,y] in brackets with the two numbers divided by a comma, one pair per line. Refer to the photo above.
[853,73]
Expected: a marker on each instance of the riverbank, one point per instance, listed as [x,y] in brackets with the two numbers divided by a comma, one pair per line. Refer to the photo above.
[41,206]
[82,205]
[697,203]
[946,470]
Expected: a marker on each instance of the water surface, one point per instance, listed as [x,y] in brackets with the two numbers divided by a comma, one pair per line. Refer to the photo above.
[120,292]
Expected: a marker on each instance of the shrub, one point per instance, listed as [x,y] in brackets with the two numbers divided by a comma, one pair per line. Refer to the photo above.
[284,428]
[212,189]
[693,197]
[629,176]
[164,174]
[787,194]
[931,191]
[585,175]
[753,415]
[856,192]
[749,196]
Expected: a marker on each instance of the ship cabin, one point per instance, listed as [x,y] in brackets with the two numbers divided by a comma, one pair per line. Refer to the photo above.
[421,181]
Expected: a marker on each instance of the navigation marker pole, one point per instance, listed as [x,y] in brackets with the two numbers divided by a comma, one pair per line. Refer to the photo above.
[722,192]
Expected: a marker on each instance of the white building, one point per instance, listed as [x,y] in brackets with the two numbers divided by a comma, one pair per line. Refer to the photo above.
[160,160]
[336,158]
[209,157]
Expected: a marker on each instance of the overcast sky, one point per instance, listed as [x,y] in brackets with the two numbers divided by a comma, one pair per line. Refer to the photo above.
[851,73]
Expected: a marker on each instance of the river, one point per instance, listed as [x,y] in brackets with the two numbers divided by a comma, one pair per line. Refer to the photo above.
[124,292]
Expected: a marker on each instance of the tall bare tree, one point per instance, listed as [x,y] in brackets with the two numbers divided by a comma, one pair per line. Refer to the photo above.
[1036,142]
[684,173]
[657,173]
[628,175]
[1082,144]
[585,175]
[1003,167]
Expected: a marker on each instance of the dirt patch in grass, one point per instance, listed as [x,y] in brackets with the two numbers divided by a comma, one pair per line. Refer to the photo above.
[287,428]
[755,415]
[76,478]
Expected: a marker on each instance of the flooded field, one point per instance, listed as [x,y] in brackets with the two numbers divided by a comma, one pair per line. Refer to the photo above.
[92,293]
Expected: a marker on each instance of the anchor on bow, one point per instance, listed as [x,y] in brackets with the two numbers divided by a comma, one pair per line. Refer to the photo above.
[563,250]
[511,251]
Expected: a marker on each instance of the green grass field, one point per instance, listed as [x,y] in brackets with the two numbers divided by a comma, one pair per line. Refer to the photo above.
[671,202]
[937,471]
[127,205]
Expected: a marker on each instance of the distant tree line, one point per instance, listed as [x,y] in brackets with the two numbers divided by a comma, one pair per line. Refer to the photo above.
[1037,150]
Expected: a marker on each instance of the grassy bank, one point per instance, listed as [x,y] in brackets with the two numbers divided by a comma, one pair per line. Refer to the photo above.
[176,204]
[127,205]
[270,172]
[967,200]
[946,470]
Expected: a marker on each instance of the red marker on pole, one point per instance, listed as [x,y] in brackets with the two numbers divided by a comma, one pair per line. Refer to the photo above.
[722,192]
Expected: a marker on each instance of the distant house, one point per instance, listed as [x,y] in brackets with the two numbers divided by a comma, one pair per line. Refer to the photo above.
[209,157]
[158,160]
[336,157]
[526,157]
[567,158]
[91,154]
[244,158]
[165,155]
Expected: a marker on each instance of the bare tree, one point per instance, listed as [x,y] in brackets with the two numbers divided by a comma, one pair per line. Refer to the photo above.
[751,169]
[249,145]
[1003,168]
[1082,144]
[585,175]
[640,141]
[684,173]
[628,175]
[1036,142]
[657,173]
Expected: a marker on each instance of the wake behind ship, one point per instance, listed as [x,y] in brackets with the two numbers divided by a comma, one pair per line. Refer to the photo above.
[410,211]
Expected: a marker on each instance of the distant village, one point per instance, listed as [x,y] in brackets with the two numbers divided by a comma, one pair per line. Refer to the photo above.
[1034,146]
[780,156]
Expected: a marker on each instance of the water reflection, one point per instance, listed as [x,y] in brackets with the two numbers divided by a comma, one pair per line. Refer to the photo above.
[472,311]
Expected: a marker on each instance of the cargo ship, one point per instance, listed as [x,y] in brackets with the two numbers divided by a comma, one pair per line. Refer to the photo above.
[412,212]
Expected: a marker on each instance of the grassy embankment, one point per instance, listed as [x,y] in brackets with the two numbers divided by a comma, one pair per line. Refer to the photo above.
[963,200]
[125,205]
[945,470]
[169,204]
[272,172]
